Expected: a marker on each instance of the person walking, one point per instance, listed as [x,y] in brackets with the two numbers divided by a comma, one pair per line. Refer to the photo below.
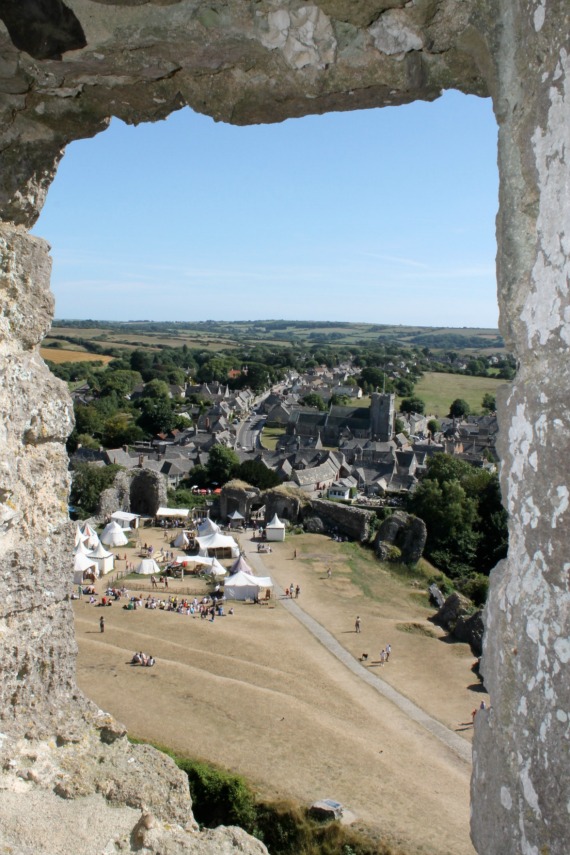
[388,651]
[102,624]
[357,624]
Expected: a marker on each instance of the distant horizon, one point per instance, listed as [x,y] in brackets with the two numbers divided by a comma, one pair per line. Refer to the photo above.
[270,320]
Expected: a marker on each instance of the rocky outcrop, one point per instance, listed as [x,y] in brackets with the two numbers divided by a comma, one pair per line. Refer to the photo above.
[470,630]
[117,497]
[267,61]
[147,492]
[455,606]
[353,523]
[456,615]
[406,532]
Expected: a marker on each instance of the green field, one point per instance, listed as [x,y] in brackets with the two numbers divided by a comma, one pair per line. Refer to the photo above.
[439,390]
[270,436]
[222,334]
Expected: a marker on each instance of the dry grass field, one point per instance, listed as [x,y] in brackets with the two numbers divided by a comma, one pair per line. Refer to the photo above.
[258,693]
[59,355]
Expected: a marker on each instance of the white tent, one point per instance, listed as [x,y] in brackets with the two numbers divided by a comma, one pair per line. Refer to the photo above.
[105,560]
[81,563]
[244,586]
[217,543]
[87,531]
[240,565]
[182,540]
[172,513]
[275,529]
[81,549]
[113,535]
[216,569]
[148,567]
[126,521]
[207,527]
[79,536]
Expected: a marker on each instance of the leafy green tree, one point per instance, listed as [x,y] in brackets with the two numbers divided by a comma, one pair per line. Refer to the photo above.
[399,425]
[433,426]
[122,382]
[339,400]
[404,387]
[88,482]
[86,441]
[156,389]
[120,429]
[257,474]
[88,420]
[459,408]
[314,400]
[465,520]
[157,415]
[222,464]
[489,403]
[412,405]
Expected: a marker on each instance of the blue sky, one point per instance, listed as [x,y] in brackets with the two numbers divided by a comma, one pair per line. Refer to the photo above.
[385,216]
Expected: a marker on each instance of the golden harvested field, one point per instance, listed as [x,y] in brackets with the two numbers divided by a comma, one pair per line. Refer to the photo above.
[260,693]
[60,355]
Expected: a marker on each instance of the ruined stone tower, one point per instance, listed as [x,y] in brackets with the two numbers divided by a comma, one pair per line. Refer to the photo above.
[382,415]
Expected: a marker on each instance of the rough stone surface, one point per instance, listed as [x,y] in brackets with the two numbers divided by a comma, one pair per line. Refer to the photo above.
[349,522]
[265,61]
[470,630]
[147,492]
[238,496]
[405,531]
[455,606]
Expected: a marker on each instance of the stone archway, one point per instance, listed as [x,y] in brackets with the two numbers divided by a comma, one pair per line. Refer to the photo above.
[74,64]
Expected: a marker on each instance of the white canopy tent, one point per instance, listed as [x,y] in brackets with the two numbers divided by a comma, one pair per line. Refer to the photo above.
[113,535]
[79,536]
[81,564]
[235,519]
[105,560]
[81,548]
[126,521]
[218,545]
[216,569]
[207,527]
[244,586]
[148,567]
[172,513]
[275,529]
[182,540]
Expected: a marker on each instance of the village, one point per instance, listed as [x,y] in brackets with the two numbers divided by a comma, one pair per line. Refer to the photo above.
[348,451]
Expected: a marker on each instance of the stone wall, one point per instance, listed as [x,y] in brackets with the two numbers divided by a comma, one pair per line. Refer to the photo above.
[267,61]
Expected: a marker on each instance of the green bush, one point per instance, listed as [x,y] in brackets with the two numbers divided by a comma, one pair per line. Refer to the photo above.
[476,587]
[219,797]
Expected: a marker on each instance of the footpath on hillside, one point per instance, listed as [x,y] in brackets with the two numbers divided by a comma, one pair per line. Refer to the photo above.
[458,745]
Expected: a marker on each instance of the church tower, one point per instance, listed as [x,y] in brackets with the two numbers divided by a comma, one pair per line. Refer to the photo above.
[382,416]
